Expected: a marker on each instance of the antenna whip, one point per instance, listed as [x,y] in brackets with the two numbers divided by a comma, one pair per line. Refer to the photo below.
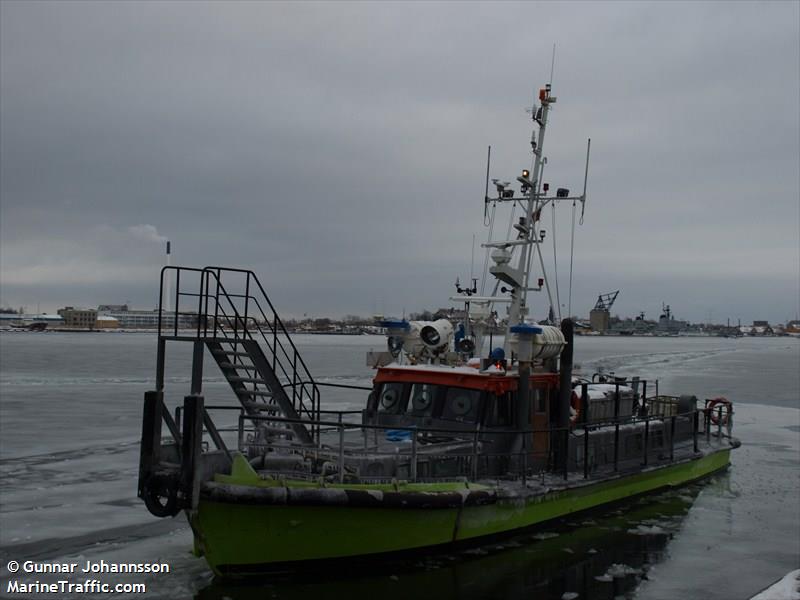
[486,192]
[571,255]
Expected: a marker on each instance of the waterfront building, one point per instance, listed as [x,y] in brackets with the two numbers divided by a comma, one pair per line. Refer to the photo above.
[81,318]
[106,322]
[599,319]
[145,319]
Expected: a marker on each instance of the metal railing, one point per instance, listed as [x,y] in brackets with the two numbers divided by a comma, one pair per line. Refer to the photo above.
[233,315]
[470,452]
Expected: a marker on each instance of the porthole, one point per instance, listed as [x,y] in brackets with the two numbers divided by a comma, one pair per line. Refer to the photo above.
[389,399]
[421,401]
[461,405]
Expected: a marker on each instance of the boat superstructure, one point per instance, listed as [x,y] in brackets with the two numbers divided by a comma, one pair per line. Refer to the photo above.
[458,440]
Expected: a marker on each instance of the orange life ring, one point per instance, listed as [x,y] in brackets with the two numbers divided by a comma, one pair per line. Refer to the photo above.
[574,408]
[716,419]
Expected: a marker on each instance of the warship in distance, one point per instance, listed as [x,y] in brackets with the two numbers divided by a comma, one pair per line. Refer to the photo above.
[454,444]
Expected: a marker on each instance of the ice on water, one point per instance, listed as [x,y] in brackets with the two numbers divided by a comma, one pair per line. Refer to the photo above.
[69,457]
[788,588]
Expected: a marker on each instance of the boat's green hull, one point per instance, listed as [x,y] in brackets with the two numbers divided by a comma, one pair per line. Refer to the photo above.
[239,538]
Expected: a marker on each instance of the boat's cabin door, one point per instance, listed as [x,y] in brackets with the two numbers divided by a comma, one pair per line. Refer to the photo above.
[540,423]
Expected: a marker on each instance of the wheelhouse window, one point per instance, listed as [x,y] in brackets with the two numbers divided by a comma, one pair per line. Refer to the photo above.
[421,400]
[390,399]
[540,396]
[461,404]
[498,411]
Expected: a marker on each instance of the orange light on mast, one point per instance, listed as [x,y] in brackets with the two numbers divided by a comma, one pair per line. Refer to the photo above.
[542,94]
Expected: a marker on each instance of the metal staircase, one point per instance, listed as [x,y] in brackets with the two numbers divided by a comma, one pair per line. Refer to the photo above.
[257,387]
[227,312]
[231,315]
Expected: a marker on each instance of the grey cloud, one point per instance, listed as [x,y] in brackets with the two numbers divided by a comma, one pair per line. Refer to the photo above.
[339,149]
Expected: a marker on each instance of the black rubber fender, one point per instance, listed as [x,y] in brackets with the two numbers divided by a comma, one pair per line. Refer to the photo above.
[242,494]
[160,495]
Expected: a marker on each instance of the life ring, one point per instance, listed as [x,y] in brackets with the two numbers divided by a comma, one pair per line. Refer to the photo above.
[160,495]
[574,408]
[716,419]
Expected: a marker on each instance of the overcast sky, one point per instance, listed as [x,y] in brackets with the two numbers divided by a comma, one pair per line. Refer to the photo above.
[338,149]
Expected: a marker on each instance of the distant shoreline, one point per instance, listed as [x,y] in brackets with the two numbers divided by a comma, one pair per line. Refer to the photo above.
[147,330]
[6,330]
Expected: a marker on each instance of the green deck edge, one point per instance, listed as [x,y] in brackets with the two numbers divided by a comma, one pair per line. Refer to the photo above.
[230,534]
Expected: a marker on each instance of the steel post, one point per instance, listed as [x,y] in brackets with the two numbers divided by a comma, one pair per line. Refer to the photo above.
[341,450]
[150,448]
[160,359]
[586,453]
[474,455]
[197,368]
[585,417]
[644,397]
[524,461]
[565,387]
[413,456]
[616,428]
[672,438]
[191,460]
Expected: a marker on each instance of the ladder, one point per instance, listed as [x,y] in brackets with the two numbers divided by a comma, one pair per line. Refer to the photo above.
[228,312]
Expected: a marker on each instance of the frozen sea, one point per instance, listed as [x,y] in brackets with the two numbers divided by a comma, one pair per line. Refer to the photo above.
[70,409]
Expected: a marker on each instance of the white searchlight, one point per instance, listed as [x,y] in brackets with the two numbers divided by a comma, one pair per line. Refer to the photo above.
[417,339]
[436,334]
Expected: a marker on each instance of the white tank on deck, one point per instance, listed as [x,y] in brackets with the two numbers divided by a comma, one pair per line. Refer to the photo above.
[547,344]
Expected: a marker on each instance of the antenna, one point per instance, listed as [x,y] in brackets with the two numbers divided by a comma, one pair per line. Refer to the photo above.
[486,193]
[552,64]
[585,178]
[586,172]
[472,262]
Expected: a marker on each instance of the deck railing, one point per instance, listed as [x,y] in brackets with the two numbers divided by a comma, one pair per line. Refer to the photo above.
[344,443]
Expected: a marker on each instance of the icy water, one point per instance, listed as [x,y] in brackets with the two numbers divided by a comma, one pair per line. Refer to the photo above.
[70,407]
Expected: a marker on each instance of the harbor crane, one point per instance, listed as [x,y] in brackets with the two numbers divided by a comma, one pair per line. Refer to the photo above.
[605,301]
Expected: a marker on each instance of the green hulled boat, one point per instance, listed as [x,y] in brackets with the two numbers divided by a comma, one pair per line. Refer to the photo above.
[457,441]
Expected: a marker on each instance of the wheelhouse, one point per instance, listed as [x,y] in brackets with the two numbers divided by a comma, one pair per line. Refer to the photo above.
[458,399]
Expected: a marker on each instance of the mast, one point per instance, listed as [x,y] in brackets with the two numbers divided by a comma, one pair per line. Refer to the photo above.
[518,309]
[513,258]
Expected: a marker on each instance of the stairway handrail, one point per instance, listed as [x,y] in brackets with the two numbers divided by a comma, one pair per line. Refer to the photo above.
[291,381]
[275,324]
[200,313]
[277,319]
[272,324]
